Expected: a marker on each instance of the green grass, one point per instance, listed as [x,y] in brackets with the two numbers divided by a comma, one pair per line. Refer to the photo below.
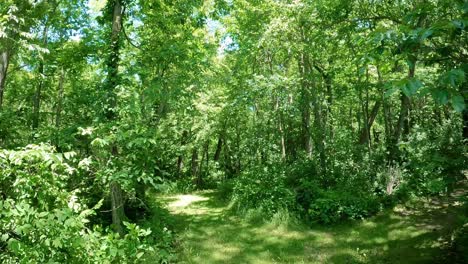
[209,234]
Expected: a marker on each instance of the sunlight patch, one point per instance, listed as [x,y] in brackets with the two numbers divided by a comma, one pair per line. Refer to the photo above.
[185,200]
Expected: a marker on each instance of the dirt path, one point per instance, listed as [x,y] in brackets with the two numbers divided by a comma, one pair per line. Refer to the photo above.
[417,234]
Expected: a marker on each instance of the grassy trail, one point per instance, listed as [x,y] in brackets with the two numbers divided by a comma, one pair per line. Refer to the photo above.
[209,234]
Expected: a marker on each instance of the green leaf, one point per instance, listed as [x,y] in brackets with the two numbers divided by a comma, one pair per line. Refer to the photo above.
[458,103]
[440,96]
[411,86]
[57,243]
[426,33]
[139,255]
[390,89]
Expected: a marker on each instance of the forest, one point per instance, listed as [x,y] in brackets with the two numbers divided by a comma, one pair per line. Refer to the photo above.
[233,131]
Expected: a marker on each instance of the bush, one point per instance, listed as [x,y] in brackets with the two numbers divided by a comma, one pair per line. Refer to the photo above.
[459,244]
[225,189]
[335,206]
[434,158]
[44,220]
[263,189]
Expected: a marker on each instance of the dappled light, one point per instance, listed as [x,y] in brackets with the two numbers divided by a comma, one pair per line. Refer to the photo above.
[185,200]
[211,234]
[233,131]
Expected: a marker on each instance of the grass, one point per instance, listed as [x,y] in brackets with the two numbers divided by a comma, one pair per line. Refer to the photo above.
[209,234]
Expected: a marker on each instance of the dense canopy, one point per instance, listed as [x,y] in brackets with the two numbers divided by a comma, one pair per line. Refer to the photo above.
[323,112]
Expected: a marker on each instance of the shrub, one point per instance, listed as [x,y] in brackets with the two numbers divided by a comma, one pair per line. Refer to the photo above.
[335,206]
[459,244]
[43,219]
[263,189]
[434,158]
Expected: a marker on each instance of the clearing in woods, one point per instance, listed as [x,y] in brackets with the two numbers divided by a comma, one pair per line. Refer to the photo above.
[208,233]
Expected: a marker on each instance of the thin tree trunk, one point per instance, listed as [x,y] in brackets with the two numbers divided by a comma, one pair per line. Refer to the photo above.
[319,128]
[60,99]
[194,165]
[219,147]
[281,130]
[364,135]
[402,126]
[465,124]
[329,98]
[4,63]
[305,107]
[38,92]
[386,109]
[118,212]
[37,95]
[465,113]
[180,158]
[180,164]
[204,160]
[58,111]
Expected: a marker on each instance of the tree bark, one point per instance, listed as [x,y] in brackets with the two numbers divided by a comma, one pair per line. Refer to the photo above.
[365,133]
[4,63]
[465,125]
[194,165]
[219,147]
[305,108]
[319,127]
[118,212]
[465,113]
[281,131]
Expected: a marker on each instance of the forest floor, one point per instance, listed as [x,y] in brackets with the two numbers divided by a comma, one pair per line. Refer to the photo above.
[415,233]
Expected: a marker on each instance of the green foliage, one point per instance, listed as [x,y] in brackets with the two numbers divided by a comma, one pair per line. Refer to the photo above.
[263,189]
[337,205]
[434,160]
[43,218]
[459,244]
[315,108]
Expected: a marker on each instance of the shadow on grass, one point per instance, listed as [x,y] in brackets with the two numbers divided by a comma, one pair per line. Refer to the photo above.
[210,234]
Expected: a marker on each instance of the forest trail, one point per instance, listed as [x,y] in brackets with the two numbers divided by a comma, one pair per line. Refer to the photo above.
[406,234]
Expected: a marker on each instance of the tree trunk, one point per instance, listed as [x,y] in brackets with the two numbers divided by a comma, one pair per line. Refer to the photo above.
[239,153]
[219,147]
[280,128]
[194,163]
[465,125]
[402,126]
[180,158]
[180,164]
[118,212]
[58,111]
[365,133]
[305,107]
[37,97]
[38,92]
[465,113]
[386,110]
[329,98]
[4,63]
[59,99]
[319,129]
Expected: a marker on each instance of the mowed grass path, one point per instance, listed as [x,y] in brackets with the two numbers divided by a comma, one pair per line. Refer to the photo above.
[207,234]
